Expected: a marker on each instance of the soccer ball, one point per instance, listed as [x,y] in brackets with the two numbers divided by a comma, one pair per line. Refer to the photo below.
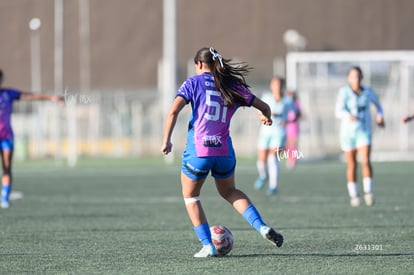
[222,239]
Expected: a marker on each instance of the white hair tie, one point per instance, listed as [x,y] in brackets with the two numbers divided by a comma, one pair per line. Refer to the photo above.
[216,55]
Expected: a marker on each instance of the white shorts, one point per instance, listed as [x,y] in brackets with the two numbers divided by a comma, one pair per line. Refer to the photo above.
[271,140]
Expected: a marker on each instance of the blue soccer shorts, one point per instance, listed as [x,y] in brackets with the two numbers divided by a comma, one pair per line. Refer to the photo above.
[197,168]
[6,144]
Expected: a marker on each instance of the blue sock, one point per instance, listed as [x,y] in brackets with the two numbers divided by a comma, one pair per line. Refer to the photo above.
[203,233]
[5,192]
[253,217]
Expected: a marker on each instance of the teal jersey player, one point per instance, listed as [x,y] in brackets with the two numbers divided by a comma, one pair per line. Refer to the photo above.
[275,135]
[358,132]
[271,140]
[353,108]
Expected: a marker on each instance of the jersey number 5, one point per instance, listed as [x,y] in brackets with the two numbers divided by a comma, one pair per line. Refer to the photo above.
[217,107]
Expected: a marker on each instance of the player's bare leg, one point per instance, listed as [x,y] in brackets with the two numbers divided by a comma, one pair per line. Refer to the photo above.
[191,192]
[227,189]
[191,189]
[242,204]
[351,168]
[365,155]
[6,160]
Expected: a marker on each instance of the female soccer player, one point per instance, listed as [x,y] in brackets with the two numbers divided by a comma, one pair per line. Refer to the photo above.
[353,108]
[272,139]
[7,97]
[215,93]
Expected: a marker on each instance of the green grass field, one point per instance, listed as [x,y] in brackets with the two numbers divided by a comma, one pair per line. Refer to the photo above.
[128,217]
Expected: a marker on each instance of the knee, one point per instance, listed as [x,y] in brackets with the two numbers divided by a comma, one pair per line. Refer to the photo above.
[190,194]
[366,163]
[351,165]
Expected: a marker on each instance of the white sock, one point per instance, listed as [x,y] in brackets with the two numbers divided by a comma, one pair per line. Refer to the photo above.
[273,167]
[367,183]
[352,189]
[261,168]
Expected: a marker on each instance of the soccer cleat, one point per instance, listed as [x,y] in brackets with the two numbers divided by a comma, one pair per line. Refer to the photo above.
[259,183]
[207,251]
[5,204]
[271,235]
[369,199]
[355,202]
[271,191]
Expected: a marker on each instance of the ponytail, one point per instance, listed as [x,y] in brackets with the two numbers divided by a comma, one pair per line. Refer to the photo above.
[228,76]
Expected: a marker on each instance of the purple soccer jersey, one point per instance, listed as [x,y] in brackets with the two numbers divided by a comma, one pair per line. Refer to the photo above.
[7,96]
[210,119]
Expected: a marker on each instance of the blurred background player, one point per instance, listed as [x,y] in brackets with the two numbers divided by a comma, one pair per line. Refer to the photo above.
[272,139]
[353,108]
[7,97]
[215,93]
[292,129]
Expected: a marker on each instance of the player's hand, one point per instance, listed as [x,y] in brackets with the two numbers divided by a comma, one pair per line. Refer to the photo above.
[353,118]
[265,120]
[407,119]
[166,148]
[380,121]
[58,99]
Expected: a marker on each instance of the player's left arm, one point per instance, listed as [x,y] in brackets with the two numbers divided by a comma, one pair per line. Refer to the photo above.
[265,114]
[380,112]
[40,96]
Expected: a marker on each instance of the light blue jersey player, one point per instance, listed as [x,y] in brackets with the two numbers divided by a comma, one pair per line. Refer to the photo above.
[271,140]
[215,93]
[275,135]
[353,108]
[357,132]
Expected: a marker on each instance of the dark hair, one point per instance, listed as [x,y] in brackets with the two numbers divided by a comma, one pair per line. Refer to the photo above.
[1,74]
[228,75]
[358,69]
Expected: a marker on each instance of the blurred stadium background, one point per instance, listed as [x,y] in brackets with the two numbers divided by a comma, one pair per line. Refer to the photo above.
[106,58]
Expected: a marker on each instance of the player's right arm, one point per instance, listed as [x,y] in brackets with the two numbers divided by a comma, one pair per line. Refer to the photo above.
[176,108]
[340,107]
[380,113]
[265,115]
[39,96]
